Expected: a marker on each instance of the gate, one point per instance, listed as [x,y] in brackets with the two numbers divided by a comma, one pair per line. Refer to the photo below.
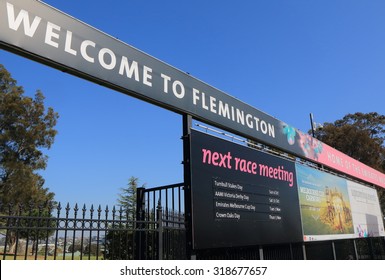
[163,208]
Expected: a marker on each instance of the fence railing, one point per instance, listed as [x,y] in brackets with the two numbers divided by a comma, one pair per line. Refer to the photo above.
[155,230]
[53,232]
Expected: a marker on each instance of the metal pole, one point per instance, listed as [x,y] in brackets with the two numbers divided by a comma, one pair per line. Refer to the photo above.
[187,123]
[312,125]
[261,253]
[334,250]
[160,230]
[139,239]
[291,251]
[304,251]
[355,249]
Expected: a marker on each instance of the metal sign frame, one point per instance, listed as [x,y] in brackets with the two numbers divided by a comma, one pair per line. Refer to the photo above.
[42,33]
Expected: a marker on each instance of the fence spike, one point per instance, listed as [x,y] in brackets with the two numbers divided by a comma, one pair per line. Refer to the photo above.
[40,207]
[92,211]
[20,207]
[106,212]
[10,208]
[30,205]
[50,206]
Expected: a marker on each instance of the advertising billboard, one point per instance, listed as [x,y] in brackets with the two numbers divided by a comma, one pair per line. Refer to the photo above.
[241,196]
[335,208]
[367,218]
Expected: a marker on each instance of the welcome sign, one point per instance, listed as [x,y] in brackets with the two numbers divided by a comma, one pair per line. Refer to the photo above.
[40,32]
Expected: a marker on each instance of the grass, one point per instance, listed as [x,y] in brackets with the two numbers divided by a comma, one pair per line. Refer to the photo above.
[68,257]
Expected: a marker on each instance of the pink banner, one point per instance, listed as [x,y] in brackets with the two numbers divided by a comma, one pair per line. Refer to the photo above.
[321,153]
[339,161]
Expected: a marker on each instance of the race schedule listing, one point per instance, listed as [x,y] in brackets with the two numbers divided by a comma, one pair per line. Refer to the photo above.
[241,196]
[237,201]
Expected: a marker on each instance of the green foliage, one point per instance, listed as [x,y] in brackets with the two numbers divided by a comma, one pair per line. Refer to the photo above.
[26,127]
[29,222]
[120,239]
[127,197]
[360,136]
[120,243]
[35,218]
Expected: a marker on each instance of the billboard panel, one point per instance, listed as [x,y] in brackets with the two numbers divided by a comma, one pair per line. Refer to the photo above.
[367,218]
[241,196]
[325,205]
[335,208]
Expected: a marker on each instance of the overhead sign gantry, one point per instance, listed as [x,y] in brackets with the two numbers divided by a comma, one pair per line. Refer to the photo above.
[40,32]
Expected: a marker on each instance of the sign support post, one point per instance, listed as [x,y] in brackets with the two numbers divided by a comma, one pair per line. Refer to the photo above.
[187,123]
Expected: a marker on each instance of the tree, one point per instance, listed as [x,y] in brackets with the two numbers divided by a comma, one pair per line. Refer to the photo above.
[360,136]
[127,197]
[26,128]
[120,239]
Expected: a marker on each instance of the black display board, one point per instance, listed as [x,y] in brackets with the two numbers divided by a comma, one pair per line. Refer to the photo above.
[241,196]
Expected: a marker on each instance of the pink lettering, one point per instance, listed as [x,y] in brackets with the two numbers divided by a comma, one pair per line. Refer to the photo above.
[206,156]
[245,166]
[216,159]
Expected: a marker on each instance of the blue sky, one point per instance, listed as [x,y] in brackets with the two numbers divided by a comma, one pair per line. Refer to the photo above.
[287,58]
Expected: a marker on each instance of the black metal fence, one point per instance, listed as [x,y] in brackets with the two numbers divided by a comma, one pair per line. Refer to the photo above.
[52,232]
[155,230]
